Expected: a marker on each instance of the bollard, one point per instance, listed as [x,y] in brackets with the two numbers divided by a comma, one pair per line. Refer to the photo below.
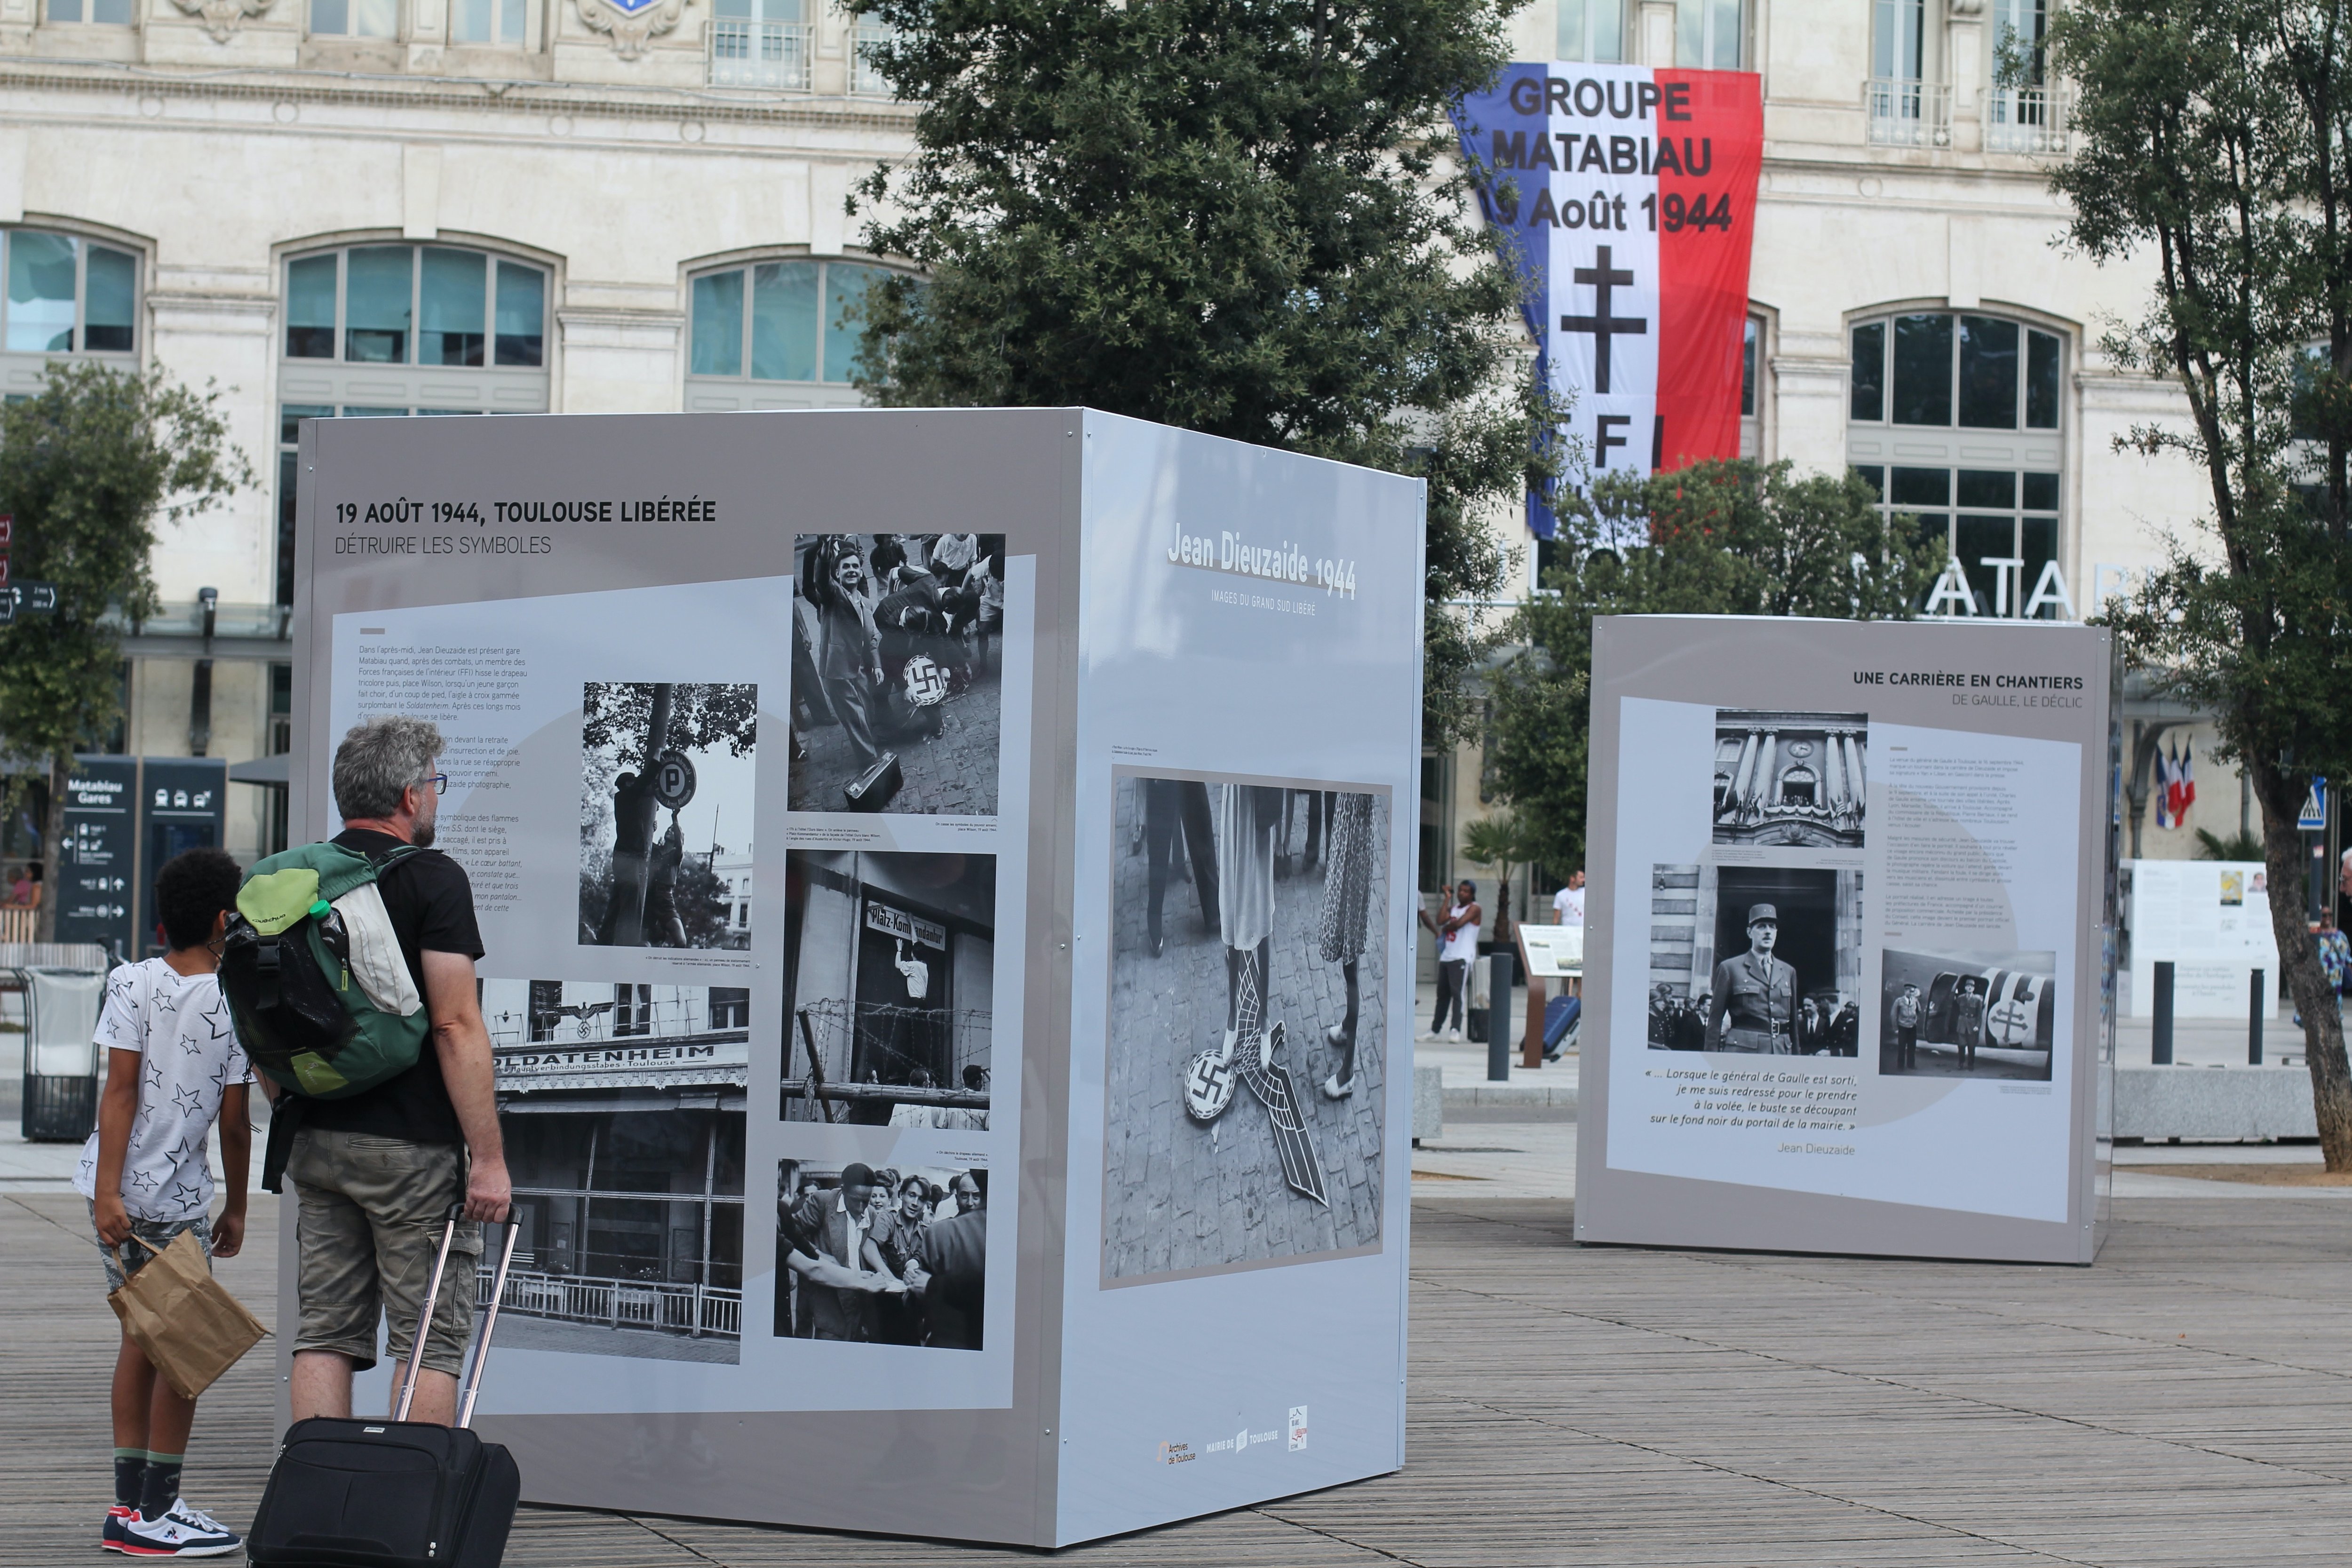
[2160,1036]
[1498,1016]
[2254,1000]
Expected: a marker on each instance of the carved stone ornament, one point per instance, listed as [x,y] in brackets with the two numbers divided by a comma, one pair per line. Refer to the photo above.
[632,23]
[222,18]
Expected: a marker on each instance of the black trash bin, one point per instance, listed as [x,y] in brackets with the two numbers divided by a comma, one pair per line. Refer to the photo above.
[61,1006]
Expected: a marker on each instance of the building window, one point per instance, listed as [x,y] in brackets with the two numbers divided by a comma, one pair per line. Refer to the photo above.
[354,18]
[1752,394]
[105,13]
[1897,39]
[469,309]
[864,80]
[67,295]
[1974,403]
[776,323]
[760,43]
[1710,35]
[1592,31]
[498,22]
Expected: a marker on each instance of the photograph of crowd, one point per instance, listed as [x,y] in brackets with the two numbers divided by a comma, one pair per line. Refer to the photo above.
[622,1106]
[1755,959]
[667,776]
[1247,1061]
[1790,779]
[1967,1014]
[898,660]
[887,1256]
[890,978]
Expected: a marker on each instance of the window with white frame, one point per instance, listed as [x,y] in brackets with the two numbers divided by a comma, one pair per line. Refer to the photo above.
[354,18]
[865,81]
[105,13]
[1591,30]
[1710,35]
[777,333]
[760,43]
[1752,394]
[67,295]
[1955,417]
[390,331]
[506,24]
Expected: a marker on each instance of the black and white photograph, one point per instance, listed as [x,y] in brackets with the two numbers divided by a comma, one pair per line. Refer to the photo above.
[1755,959]
[667,781]
[897,666]
[1789,780]
[1247,1060]
[1967,1015]
[889,980]
[888,1255]
[623,1110]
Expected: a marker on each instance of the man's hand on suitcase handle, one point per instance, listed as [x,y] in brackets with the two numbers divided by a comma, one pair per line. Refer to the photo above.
[489,1195]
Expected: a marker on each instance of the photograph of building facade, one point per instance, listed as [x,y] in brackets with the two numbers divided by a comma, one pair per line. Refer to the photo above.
[623,1109]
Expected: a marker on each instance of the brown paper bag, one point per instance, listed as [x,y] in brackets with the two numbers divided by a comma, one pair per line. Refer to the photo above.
[190,1327]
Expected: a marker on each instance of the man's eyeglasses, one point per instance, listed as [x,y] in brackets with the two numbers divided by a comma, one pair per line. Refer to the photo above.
[440,783]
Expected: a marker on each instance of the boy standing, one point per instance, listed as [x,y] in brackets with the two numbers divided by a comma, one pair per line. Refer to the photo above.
[175,1067]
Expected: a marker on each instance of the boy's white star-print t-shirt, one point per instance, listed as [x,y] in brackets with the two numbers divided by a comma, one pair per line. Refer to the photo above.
[188,1055]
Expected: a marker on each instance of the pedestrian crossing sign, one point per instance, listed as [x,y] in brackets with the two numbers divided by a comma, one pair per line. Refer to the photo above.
[2313,819]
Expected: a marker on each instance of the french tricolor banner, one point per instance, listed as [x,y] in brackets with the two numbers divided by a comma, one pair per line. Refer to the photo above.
[1627,196]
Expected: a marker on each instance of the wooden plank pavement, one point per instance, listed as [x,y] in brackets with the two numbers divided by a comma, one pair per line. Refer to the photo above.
[2183,1403]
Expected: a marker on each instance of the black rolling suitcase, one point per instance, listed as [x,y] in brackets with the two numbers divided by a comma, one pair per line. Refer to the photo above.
[394,1493]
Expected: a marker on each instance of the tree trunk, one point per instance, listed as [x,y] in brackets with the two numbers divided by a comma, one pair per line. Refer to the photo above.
[2307,982]
[53,859]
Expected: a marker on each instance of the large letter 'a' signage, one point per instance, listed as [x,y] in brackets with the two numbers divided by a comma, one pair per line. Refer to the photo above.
[1628,196]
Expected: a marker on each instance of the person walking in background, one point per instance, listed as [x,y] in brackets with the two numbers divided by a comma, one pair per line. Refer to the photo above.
[173,1069]
[2335,956]
[1347,921]
[1568,904]
[24,892]
[1457,945]
[375,1172]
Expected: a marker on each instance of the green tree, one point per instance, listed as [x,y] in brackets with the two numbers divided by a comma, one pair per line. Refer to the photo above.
[1236,217]
[2215,145]
[1500,840]
[1717,538]
[90,467]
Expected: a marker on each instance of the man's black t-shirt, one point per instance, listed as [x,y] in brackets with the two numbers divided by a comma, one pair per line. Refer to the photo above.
[432,908]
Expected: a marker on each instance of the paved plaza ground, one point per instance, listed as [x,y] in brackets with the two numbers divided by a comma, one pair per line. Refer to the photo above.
[1180,1195]
[952,773]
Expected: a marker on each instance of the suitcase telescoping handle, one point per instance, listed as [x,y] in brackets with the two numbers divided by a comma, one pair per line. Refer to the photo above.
[472,1384]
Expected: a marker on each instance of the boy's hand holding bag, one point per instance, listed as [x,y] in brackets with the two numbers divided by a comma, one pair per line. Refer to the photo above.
[191,1329]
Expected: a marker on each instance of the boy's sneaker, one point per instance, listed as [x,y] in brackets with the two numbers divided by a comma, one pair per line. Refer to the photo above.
[183,1532]
[110,1537]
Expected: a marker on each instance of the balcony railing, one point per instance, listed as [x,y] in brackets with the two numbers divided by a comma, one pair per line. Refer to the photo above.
[691,1310]
[1907,113]
[2027,119]
[762,54]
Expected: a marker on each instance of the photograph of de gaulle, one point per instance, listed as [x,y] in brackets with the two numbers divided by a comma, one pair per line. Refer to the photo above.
[622,1106]
[667,776]
[881,1255]
[1790,779]
[1967,1013]
[898,665]
[1247,1060]
[889,987]
[1755,959]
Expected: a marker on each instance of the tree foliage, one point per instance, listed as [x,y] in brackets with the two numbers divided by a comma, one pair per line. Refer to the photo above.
[1718,538]
[1235,216]
[2216,143]
[91,468]
[615,713]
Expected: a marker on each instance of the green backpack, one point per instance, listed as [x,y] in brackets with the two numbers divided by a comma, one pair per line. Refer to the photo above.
[298,970]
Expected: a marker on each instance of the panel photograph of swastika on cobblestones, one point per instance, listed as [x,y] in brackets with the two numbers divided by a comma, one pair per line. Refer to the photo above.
[1247,1067]
[889,965]
[897,671]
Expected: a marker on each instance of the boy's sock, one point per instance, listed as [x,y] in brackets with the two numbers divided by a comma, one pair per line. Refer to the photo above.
[130,1475]
[161,1488]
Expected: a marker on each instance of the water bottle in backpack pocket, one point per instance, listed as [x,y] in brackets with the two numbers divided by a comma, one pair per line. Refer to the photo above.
[321,996]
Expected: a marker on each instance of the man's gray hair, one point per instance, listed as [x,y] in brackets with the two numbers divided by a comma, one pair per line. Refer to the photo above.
[379,759]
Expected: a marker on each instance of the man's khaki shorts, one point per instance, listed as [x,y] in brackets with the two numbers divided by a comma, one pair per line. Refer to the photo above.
[371,1214]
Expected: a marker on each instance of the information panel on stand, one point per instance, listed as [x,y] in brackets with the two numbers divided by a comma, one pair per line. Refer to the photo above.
[796,848]
[1849,976]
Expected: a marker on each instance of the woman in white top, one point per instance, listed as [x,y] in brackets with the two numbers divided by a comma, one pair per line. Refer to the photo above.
[1457,938]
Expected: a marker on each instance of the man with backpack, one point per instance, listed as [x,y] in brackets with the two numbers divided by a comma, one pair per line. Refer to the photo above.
[377,1170]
